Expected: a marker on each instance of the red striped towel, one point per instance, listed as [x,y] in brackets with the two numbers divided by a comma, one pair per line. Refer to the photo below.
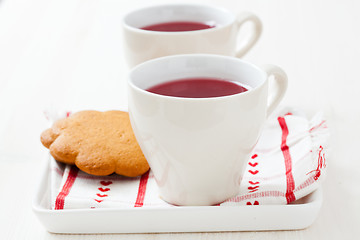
[287,164]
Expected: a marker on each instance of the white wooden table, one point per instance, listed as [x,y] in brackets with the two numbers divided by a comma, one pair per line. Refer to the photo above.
[68,55]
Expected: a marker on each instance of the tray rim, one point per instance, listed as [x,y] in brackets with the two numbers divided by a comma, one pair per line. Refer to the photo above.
[49,217]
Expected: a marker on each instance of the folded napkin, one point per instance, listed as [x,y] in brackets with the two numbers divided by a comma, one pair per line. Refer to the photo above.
[288,163]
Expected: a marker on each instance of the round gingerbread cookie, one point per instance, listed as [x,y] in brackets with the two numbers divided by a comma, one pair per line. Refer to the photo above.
[98,143]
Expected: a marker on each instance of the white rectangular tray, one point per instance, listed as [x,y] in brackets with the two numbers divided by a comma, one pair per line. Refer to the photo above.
[298,215]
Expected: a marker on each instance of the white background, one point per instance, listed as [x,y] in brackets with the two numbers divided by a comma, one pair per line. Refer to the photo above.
[67,54]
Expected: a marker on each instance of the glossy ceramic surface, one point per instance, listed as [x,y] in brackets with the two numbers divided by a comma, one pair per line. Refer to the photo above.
[141,45]
[197,147]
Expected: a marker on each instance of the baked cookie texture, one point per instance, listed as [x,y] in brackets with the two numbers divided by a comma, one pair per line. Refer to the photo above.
[98,143]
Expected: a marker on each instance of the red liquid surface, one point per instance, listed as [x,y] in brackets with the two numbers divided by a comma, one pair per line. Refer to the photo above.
[197,88]
[177,26]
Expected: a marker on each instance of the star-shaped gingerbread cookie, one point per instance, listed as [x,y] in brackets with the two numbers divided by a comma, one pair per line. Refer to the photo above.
[98,143]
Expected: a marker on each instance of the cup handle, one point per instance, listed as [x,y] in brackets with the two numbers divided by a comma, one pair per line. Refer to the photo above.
[281,81]
[255,35]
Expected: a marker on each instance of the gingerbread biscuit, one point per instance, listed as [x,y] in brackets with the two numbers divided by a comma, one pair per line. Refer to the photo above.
[98,143]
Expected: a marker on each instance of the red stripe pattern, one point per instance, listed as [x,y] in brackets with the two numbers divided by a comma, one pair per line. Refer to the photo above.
[290,183]
[254,186]
[252,196]
[321,164]
[253,172]
[60,199]
[103,196]
[253,183]
[142,190]
[322,124]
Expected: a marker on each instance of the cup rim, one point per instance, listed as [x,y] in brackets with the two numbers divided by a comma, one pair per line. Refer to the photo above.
[143,31]
[143,91]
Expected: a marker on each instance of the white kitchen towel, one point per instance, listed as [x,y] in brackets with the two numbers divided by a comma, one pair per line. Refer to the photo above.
[288,163]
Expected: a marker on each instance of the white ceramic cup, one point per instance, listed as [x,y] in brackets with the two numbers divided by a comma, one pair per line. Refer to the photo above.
[197,147]
[142,45]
